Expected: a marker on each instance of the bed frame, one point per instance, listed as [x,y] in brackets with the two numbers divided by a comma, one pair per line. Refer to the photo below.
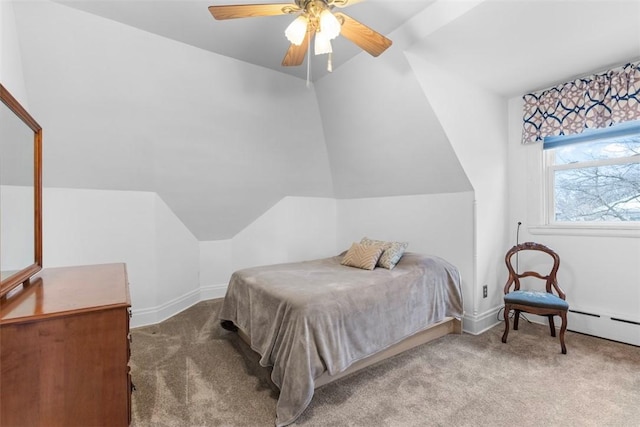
[449,325]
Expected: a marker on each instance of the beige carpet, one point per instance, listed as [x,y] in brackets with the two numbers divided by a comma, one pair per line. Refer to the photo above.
[190,372]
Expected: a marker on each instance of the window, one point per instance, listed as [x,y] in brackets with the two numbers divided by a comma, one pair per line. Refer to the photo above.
[594,177]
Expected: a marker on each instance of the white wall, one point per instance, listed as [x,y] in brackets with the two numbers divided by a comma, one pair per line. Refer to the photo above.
[102,226]
[294,229]
[474,120]
[220,140]
[383,138]
[177,262]
[216,267]
[437,224]
[599,269]
[381,132]
[170,270]
[11,75]
[300,228]
[17,244]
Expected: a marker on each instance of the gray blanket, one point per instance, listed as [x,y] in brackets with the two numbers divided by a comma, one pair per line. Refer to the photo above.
[309,317]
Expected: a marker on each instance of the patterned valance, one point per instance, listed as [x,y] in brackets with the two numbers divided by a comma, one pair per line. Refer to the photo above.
[595,101]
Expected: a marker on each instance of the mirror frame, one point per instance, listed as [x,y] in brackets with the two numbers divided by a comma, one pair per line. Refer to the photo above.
[25,274]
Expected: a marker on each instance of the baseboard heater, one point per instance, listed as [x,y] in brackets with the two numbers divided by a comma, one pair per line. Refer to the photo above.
[605,325]
[616,319]
[633,322]
[585,313]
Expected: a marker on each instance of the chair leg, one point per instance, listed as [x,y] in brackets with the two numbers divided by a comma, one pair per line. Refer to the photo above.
[552,325]
[507,309]
[563,328]
[516,320]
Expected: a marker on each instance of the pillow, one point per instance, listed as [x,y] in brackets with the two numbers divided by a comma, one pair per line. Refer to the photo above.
[362,256]
[392,253]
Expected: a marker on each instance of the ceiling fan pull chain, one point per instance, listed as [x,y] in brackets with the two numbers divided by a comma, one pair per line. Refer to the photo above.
[329,63]
[308,60]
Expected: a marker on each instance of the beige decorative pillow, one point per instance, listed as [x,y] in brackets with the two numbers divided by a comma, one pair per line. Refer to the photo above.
[362,256]
[392,253]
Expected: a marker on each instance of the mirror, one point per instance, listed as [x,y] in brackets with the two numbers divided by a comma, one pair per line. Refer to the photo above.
[20,194]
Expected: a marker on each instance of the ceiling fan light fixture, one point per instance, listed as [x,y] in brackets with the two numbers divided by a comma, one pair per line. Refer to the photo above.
[329,24]
[296,31]
[315,21]
[322,43]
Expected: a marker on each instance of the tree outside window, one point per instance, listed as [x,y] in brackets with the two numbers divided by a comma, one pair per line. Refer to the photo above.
[597,180]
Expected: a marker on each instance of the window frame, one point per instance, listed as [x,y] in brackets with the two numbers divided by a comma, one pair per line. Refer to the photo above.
[549,168]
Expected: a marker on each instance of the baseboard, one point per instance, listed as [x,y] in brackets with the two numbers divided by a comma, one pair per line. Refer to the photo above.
[212,291]
[153,315]
[149,316]
[478,324]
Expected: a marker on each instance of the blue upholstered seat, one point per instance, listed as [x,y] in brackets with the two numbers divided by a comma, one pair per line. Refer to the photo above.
[536,299]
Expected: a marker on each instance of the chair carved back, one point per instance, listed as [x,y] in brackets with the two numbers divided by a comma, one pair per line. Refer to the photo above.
[551,281]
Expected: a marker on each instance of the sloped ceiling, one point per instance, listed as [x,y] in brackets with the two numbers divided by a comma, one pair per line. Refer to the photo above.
[257,40]
[219,140]
[222,139]
[520,46]
[509,46]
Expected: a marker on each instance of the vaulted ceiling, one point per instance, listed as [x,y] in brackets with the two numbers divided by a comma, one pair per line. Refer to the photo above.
[257,40]
[157,96]
[506,45]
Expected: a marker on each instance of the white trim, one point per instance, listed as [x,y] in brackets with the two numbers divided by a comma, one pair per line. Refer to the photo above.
[549,169]
[213,291]
[481,323]
[150,316]
[153,315]
[587,230]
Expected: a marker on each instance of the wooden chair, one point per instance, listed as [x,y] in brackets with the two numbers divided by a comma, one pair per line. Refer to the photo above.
[536,302]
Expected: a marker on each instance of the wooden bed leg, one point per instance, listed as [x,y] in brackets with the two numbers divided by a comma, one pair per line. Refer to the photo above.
[457,326]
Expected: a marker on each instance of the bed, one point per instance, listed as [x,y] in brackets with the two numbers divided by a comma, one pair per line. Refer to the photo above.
[316,321]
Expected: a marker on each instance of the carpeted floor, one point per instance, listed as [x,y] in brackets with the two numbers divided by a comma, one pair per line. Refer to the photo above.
[188,371]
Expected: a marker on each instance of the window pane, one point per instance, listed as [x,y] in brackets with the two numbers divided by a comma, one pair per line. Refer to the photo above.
[604,193]
[598,150]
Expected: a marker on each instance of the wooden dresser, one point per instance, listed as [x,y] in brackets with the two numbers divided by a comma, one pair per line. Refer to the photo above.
[64,344]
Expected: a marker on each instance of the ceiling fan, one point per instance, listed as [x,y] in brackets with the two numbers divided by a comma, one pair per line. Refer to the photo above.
[316,20]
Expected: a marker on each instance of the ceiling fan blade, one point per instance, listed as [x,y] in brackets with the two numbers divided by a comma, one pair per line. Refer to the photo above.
[295,54]
[366,38]
[248,10]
